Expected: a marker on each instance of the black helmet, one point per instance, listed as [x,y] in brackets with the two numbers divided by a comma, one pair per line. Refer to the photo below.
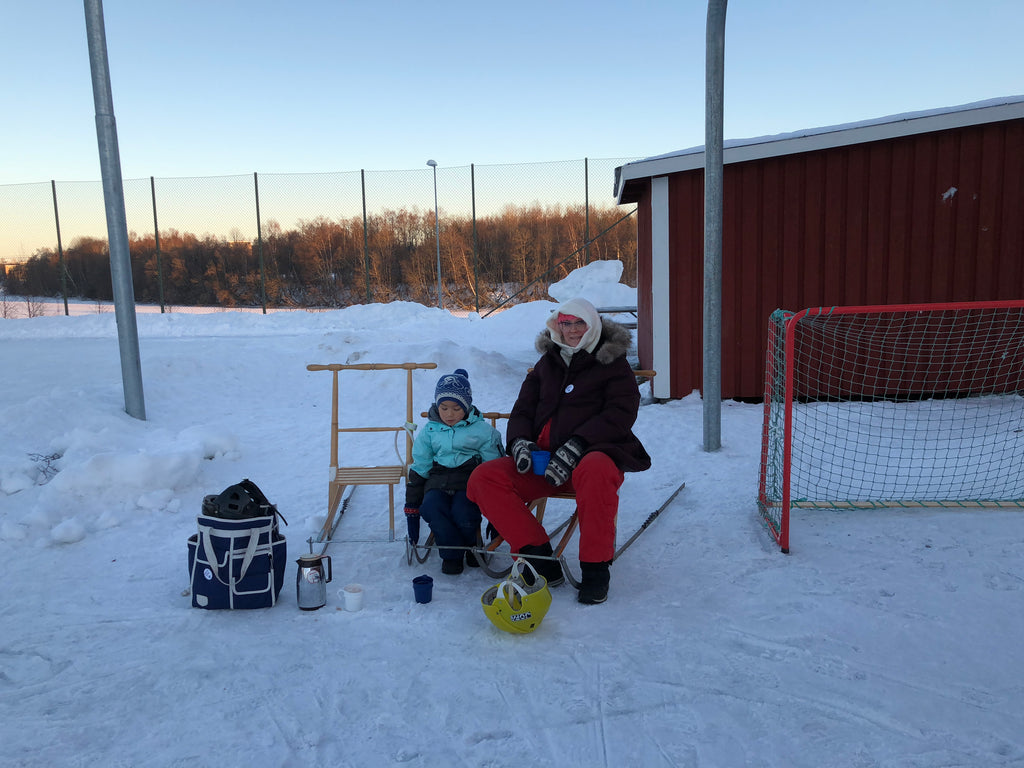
[238,502]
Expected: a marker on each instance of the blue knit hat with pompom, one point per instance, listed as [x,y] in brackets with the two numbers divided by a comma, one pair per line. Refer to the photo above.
[454,387]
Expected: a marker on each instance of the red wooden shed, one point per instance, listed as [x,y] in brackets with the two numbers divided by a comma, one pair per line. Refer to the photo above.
[920,207]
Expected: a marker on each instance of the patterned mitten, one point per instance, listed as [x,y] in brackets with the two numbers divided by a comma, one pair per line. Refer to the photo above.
[521,450]
[564,461]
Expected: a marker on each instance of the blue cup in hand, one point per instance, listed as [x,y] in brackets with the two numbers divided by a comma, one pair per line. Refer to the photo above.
[540,461]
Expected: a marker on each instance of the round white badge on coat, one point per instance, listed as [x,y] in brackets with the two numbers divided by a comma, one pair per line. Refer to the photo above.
[568,389]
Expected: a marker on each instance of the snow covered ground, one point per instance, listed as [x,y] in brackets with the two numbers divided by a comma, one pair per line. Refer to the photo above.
[886,638]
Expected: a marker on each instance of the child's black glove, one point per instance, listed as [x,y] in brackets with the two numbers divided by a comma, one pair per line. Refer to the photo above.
[564,461]
[521,450]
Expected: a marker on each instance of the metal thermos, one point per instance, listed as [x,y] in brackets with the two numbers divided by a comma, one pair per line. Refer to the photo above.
[311,582]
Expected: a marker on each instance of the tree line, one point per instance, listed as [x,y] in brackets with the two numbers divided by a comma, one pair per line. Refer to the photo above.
[335,262]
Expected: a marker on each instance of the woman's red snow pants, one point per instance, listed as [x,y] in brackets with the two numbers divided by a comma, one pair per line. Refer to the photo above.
[503,496]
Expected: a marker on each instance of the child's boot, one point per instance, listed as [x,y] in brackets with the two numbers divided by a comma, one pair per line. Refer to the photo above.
[452,567]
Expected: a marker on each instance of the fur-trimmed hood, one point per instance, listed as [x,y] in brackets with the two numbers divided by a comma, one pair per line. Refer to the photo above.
[615,341]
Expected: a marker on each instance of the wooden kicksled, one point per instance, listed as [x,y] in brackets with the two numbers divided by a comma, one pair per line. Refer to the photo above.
[389,475]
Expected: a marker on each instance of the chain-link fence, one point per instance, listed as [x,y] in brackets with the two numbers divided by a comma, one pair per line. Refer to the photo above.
[471,237]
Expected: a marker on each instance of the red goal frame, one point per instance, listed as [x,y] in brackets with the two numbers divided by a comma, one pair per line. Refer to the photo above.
[912,339]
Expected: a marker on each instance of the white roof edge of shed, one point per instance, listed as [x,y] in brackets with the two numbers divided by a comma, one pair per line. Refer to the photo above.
[811,139]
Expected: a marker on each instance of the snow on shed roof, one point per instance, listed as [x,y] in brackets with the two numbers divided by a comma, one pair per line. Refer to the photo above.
[810,139]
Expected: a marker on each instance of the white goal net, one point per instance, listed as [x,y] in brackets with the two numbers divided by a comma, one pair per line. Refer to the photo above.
[903,405]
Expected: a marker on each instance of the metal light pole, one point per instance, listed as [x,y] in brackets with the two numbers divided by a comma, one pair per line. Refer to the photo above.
[437,235]
[714,173]
[117,222]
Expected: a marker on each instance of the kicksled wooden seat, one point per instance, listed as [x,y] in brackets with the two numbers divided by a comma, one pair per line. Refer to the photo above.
[389,475]
[486,552]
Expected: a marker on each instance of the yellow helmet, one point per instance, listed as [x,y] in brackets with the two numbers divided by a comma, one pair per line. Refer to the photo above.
[515,606]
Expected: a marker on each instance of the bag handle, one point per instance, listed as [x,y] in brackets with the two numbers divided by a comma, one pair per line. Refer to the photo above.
[517,569]
[211,556]
[513,582]
[509,598]
[250,551]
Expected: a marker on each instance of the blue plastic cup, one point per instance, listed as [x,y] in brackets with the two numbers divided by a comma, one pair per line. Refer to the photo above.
[540,461]
[423,587]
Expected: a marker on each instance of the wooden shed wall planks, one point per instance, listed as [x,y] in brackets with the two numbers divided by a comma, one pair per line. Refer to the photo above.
[923,218]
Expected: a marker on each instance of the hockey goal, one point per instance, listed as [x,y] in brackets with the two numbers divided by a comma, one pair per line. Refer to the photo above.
[916,405]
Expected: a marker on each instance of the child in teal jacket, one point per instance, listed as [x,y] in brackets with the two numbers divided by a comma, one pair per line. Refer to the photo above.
[455,440]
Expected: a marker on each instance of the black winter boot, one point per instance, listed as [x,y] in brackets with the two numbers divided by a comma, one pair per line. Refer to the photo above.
[451,567]
[549,569]
[594,584]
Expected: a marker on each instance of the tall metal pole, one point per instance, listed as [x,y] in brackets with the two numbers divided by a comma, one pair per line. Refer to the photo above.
[714,89]
[437,236]
[117,221]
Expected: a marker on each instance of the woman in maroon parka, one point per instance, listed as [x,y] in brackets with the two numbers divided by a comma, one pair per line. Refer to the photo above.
[579,402]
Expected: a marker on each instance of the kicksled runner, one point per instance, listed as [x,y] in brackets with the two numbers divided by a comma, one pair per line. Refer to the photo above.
[487,554]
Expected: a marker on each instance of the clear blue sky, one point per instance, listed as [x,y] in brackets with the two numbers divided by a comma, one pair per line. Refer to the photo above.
[224,87]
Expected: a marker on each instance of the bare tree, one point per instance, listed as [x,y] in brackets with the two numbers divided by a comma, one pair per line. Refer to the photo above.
[324,262]
[34,306]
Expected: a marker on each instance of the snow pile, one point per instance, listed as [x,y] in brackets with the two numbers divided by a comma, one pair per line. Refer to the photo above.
[598,282]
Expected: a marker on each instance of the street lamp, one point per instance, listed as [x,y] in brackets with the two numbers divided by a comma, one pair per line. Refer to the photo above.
[437,234]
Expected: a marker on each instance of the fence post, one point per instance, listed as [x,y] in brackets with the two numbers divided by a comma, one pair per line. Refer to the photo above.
[156,239]
[586,213]
[60,251]
[259,244]
[366,247]
[472,195]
